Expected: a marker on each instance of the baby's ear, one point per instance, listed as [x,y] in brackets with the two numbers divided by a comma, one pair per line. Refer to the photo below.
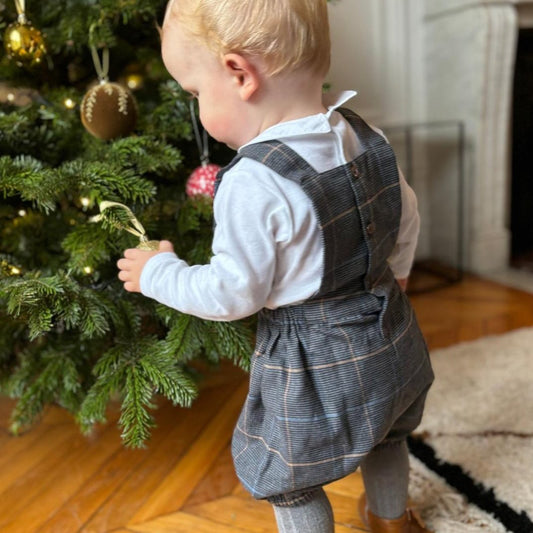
[244,74]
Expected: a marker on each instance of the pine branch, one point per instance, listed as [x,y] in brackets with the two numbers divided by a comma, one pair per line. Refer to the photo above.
[139,369]
[195,226]
[233,341]
[56,302]
[35,300]
[12,338]
[126,318]
[103,181]
[42,130]
[135,419]
[168,378]
[91,245]
[42,380]
[109,377]
[182,341]
[27,177]
[94,319]
[170,119]
[189,337]
[144,154]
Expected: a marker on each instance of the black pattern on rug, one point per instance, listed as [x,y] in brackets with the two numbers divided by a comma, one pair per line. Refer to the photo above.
[476,437]
[475,492]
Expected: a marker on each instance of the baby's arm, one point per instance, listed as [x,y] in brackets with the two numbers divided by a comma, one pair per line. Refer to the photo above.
[132,264]
[238,279]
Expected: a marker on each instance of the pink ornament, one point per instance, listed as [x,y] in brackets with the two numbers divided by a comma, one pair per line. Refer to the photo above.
[202,180]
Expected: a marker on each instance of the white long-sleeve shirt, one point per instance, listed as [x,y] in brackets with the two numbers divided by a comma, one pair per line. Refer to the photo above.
[267,247]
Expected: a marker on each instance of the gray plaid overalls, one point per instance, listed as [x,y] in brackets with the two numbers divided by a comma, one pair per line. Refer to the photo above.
[336,375]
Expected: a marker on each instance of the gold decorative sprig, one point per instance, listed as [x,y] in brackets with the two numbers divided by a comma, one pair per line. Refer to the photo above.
[132,226]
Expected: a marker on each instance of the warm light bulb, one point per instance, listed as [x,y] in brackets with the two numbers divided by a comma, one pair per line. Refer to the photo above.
[85,202]
[69,103]
[88,270]
[15,271]
[10,97]
[22,212]
[134,81]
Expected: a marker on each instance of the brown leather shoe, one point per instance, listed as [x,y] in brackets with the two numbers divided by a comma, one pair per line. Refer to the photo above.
[409,522]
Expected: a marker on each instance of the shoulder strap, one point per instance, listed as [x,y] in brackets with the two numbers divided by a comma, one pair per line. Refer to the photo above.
[222,171]
[280,158]
[275,155]
[366,134]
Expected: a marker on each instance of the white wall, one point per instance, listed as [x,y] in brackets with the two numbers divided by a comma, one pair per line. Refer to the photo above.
[376,50]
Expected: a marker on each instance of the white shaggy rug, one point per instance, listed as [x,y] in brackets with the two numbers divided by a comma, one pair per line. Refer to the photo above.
[472,455]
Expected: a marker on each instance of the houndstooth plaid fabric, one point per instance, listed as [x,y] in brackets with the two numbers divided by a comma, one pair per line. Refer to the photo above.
[347,369]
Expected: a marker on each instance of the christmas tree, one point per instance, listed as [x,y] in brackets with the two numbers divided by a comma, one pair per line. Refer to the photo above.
[88,114]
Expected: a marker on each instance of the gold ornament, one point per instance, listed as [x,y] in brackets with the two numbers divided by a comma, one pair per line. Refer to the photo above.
[148,245]
[109,110]
[24,44]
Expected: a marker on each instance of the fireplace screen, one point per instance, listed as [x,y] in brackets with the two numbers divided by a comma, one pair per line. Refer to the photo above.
[431,156]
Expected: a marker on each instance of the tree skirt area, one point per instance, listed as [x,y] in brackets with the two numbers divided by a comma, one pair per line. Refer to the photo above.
[472,455]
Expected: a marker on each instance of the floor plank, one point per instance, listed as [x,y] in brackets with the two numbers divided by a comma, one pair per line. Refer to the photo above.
[53,482]
[21,457]
[220,481]
[184,523]
[238,512]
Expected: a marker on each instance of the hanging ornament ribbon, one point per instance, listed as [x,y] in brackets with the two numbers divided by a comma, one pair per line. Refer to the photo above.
[201,140]
[20,5]
[101,66]
[136,228]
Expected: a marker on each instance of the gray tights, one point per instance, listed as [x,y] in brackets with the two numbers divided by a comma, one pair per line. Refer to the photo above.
[386,476]
[313,516]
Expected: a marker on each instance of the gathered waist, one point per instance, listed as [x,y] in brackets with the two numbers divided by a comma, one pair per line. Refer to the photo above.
[342,308]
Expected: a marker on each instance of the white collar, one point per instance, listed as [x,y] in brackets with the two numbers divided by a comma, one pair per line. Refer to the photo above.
[312,124]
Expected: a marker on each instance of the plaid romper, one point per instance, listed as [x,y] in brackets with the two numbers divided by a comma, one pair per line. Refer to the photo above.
[348,368]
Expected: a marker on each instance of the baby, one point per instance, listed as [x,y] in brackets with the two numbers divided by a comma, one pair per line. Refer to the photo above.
[315,231]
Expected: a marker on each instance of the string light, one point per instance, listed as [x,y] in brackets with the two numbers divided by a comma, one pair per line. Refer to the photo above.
[22,212]
[88,270]
[85,202]
[9,269]
[134,81]
[69,103]
[10,97]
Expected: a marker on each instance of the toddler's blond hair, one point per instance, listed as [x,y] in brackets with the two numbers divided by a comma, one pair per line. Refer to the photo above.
[286,34]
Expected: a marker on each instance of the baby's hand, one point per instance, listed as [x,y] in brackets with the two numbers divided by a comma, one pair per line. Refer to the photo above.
[132,264]
[402,282]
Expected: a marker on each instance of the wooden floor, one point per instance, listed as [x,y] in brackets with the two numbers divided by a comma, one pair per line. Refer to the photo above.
[54,480]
